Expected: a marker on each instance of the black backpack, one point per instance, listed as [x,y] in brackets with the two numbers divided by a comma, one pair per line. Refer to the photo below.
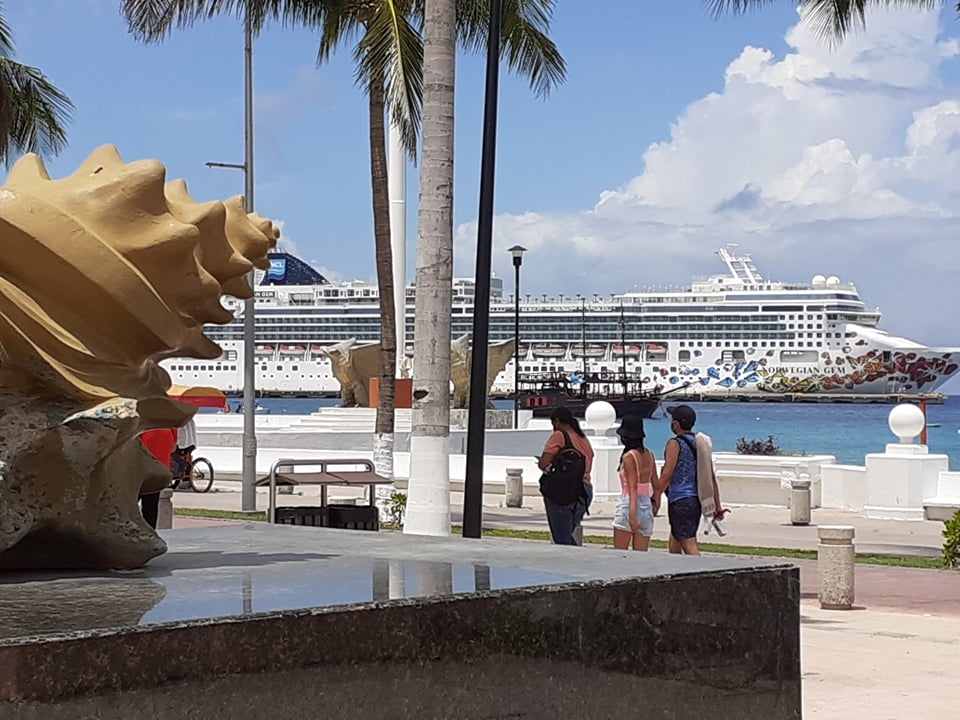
[562,482]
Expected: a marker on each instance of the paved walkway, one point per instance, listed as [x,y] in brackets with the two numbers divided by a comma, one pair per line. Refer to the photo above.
[894,656]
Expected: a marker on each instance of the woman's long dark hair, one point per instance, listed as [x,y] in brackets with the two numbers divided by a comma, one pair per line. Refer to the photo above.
[630,443]
[564,415]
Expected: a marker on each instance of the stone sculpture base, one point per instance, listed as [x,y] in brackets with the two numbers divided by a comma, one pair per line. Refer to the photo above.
[234,622]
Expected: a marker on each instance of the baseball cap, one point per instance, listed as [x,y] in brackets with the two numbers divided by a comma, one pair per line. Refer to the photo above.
[684,415]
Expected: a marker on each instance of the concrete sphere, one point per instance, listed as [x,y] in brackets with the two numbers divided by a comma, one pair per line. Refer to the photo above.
[906,421]
[600,416]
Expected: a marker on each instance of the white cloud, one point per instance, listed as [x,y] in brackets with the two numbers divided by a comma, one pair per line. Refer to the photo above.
[287,244]
[827,160]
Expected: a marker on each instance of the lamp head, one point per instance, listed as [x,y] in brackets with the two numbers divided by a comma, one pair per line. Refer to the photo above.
[517,251]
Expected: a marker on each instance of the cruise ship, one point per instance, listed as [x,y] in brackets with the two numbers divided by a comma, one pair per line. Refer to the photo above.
[731,334]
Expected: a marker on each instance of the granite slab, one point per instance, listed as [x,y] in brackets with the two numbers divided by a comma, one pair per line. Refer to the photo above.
[397,626]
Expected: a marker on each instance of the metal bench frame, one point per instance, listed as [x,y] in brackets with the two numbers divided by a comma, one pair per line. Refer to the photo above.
[324,478]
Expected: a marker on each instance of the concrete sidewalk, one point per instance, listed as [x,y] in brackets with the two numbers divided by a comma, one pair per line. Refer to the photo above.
[894,656]
[752,526]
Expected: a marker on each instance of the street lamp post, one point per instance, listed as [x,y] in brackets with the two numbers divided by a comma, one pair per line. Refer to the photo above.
[517,251]
[248,500]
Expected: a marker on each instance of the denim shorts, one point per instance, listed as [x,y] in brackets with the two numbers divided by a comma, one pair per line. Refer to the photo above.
[621,518]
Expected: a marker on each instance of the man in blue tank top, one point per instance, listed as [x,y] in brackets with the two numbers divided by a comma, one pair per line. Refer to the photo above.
[678,479]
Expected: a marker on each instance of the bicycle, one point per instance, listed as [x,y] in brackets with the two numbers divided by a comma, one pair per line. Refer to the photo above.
[186,468]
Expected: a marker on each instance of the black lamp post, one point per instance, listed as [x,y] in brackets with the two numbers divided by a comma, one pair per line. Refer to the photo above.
[517,251]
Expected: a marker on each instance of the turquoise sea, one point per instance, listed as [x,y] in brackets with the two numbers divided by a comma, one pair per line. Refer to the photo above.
[847,431]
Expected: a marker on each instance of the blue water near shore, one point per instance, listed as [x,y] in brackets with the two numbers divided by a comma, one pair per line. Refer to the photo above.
[846,431]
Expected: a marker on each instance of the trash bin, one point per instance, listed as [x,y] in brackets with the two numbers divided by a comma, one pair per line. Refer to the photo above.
[312,516]
[354,517]
[340,517]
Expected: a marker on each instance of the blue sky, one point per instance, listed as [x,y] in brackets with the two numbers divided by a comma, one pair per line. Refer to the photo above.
[674,134]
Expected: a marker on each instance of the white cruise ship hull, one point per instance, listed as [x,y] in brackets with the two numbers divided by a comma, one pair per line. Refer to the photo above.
[908,370]
[734,334]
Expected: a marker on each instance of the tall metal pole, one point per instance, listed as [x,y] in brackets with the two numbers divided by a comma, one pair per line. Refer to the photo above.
[516,347]
[397,183]
[623,350]
[583,333]
[249,468]
[476,418]
[517,252]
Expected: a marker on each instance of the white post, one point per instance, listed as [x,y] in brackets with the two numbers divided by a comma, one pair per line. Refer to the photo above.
[397,179]
[513,494]
[800,502]
[835,565]
[165,510]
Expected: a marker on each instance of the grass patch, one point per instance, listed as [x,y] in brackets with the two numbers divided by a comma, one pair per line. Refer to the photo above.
[926,563]
[220,514]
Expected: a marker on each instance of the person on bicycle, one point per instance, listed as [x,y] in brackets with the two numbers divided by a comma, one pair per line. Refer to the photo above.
[160,443]
[183,455]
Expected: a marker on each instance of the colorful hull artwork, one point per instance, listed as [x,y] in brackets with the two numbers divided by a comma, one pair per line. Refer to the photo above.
[907,371]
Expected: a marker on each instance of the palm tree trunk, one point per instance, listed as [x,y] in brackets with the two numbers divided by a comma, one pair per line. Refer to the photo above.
[383,437]
[428,494]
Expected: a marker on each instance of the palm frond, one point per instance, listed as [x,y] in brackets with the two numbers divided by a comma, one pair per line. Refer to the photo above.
[524,42]
[36,114]
[338,25]
[833,20]
[830,20]
[6,37]
[391,52]
[151,21]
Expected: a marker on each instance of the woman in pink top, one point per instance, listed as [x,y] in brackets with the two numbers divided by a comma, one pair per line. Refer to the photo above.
[564,519]
[633,518]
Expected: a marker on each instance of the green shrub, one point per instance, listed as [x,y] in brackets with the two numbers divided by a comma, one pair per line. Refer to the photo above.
[951,541]
[397,508]
[758,447]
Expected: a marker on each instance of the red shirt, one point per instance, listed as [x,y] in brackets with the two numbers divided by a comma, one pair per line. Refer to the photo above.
[161,443]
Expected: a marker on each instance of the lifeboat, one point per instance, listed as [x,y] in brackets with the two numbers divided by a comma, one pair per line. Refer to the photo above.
[549,350]
[291,349]
[630,351]
[315,349]
[591,351]
[263,350]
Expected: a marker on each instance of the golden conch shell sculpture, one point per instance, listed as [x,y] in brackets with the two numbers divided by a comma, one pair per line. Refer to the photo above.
[103,274]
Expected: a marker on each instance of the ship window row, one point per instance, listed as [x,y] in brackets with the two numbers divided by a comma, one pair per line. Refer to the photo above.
[760,343]
[202,368]
[799,296]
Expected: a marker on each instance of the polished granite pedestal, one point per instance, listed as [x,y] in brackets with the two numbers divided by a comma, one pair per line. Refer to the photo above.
[259,621]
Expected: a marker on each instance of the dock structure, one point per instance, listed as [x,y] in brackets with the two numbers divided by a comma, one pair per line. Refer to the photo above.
[851,398]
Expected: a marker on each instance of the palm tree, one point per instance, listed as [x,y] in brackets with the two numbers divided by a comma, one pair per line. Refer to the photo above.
[830,19]
[33,112]
[529,51]
[428,491]
[389,57]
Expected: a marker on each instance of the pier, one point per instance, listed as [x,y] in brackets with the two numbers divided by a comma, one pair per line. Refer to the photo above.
[851,398]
